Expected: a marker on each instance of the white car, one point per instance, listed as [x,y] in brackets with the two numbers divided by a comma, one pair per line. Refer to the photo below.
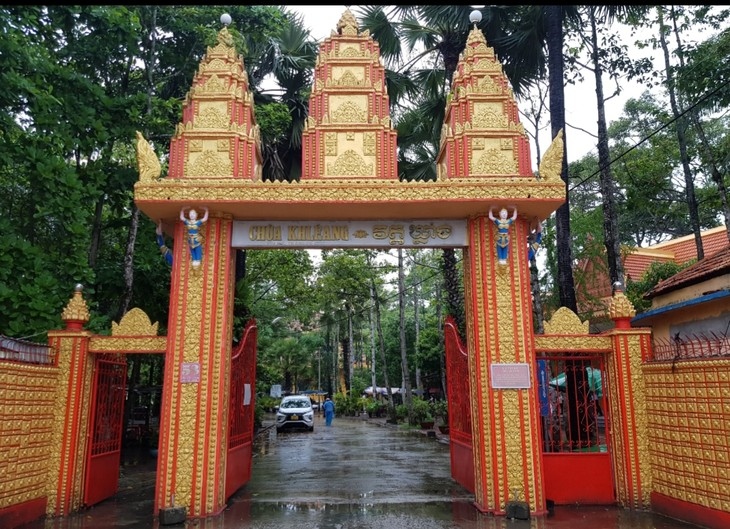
[295,411]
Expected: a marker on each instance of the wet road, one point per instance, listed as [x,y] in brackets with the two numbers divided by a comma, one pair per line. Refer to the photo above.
[354,475]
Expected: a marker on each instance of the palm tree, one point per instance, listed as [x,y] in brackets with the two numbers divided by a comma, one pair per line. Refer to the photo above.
[434,37]
[289,59]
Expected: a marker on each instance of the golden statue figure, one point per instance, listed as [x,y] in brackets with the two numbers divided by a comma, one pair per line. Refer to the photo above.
[148,164]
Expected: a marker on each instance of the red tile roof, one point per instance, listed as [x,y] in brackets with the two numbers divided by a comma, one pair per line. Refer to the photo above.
[715,265]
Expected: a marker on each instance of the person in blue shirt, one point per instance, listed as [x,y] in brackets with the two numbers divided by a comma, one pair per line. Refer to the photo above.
[329,411]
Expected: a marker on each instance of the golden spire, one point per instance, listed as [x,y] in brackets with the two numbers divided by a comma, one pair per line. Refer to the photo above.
[347,24]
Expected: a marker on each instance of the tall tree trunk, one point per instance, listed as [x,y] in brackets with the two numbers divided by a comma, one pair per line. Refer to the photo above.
[608,186]
[381,341]
[373,378]
[419,382]
[134,221]
[442,346]
[554,39]
[681,127]
[403,348]
[129,262]
[452,285]
[707,153]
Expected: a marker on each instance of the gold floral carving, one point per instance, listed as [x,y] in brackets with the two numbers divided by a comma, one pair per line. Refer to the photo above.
[349,112]
[348,50]
[493,161]
[349,79]
[76,310]
[128,344]
[477,144]
[369,143]
[489,117]
[584,342]
[213,65]
[135,322]
[551,165]
[210,163]
[487,65]
[210,117]
[378,86]
[350,163]
[148,165]
[621,307]
[213,85]
[352,190]
[330,143]
[487,85]
[565,321]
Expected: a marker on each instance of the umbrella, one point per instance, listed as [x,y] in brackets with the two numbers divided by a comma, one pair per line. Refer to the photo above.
[594,378]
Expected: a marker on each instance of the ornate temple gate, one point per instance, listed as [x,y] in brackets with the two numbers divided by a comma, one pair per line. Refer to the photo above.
[107,426]
[349,185]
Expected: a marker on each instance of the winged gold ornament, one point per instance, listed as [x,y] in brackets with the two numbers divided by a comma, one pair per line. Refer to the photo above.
[551,164]
[148,164]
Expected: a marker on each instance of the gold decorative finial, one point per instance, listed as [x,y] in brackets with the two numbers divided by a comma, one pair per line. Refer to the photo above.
[347,24]
[76,310]
[551,165]
[620,306]
[225,38]
[148,164]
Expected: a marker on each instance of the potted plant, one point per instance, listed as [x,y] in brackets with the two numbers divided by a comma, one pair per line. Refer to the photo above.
[422,414]
[441,412]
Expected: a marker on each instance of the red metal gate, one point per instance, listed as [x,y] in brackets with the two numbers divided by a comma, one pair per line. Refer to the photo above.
[575,440]
[105,431]
[457,377]
[241,411]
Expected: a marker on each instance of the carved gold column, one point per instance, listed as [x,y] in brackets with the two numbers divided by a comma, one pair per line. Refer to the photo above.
[73,395]
[506,433]
[627,406]
[194,422]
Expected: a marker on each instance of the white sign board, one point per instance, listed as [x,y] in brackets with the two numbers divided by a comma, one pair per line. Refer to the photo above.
[350,234]
[510,376]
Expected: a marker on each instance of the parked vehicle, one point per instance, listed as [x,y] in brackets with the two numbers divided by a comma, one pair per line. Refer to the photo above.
[295,412]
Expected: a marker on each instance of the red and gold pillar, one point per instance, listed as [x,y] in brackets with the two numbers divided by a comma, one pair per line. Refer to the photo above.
[627,407]
[191,465]
[73,393]
[505,413]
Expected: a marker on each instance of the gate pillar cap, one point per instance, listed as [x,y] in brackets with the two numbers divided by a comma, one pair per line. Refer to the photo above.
[76,312]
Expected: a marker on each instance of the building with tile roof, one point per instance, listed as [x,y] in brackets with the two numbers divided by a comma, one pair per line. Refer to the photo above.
[593,284]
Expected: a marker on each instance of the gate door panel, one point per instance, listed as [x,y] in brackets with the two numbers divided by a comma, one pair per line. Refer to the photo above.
[576,449]
[241,411]
[105,432]
[457,377]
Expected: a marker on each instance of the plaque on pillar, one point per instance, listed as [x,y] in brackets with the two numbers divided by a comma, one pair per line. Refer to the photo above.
[510,376]
[190,373]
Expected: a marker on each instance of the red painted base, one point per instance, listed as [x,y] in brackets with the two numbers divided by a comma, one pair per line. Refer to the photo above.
[462,464]
[23,513]
[689,512]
